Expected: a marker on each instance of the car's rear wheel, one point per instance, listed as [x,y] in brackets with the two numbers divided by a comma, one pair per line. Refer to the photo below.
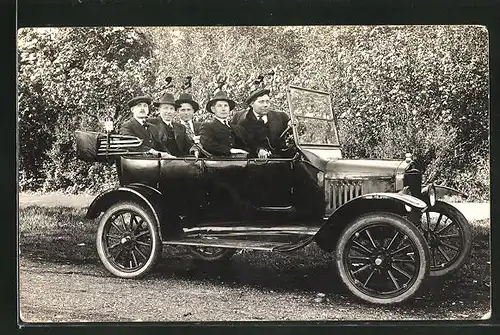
[382,258]
[211,254]
[127,240]
[448,234]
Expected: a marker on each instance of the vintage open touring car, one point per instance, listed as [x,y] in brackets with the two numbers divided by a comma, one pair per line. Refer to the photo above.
[388,232]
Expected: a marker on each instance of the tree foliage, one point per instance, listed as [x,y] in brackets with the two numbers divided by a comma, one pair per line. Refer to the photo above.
[69,79]
[418,89]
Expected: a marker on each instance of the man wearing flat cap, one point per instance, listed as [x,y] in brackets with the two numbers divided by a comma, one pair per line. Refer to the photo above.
[263,126]
[219,137]
[186,109]
[138,126]
[172,135]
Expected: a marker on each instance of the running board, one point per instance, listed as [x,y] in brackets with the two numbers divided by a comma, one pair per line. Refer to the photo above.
[253,230]
[276,209]
[240,244]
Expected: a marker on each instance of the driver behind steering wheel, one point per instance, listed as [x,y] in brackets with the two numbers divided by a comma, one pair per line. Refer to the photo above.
[264,127]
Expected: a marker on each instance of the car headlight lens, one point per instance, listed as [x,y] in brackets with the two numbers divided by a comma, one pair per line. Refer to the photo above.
[320,177]
[432,195]
[108,125]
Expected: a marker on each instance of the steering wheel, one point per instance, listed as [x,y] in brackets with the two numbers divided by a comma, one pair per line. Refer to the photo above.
[287,138]
[285,132]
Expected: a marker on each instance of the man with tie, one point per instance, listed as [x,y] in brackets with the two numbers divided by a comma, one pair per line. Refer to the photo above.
[172,135]
[186,109]
[263,126]
[138,126]
[219,137]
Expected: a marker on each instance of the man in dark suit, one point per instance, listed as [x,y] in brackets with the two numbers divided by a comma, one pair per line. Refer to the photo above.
[186,109]
[219,137]
[172,135]
[138,126]
[263,126]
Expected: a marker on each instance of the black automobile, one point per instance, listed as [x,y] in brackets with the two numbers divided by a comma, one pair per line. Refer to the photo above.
[387,230]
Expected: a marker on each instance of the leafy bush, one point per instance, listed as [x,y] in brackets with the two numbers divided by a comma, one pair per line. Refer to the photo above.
[418,89]
[69,79]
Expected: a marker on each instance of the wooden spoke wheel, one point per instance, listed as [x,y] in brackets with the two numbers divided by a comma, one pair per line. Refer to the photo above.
[127,240]
[382,258]
[211,254]
[448,234]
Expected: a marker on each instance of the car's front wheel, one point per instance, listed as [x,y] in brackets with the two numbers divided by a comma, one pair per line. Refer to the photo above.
[127,240]
[382,258]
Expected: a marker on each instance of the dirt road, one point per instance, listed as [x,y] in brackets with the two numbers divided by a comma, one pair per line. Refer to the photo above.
[251,287]
[62,280]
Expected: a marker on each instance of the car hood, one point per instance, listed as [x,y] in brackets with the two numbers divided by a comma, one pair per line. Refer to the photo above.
[363,168]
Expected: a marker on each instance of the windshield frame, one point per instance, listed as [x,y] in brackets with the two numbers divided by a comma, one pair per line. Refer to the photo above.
[295,120]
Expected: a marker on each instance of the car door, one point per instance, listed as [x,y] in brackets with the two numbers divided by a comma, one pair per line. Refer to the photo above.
[180,183]
[270,183]
[226,188]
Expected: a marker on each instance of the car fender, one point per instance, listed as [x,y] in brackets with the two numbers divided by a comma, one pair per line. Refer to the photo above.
[442,191]
[148,196]
[396,203]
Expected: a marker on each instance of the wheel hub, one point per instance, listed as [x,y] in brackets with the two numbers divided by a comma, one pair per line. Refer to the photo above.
[434,240]
[127,242]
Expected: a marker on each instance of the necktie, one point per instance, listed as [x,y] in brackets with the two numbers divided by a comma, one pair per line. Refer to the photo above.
[146,127]
[226,122]
[189,130]
[260,119]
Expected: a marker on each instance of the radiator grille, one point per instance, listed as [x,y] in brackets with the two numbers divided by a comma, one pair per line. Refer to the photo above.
[338,192]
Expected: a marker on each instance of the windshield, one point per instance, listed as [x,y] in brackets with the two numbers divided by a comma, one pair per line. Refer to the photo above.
[311,112]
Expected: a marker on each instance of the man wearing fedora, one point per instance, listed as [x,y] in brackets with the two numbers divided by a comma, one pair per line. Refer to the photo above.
[186,109]
[219,137]
[138,126]
[263,126]
[172,135]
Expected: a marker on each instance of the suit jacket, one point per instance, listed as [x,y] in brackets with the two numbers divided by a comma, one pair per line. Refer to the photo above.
[218,139]
[190,134]
[260,135]
[181,138]
[145,133]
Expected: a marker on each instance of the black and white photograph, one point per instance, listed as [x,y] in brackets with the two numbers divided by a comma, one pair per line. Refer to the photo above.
[204,174]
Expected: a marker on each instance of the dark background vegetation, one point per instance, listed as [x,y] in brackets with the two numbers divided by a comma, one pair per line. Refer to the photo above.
[395,89]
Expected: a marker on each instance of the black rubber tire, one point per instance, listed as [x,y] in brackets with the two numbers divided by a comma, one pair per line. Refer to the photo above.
[211,254]
[148,235]
[465,240]
[388,221]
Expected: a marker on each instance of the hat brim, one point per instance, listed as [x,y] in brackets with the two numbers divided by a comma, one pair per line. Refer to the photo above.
[191,102]
[134,101]
[158,103]
[231,103]
[257,94]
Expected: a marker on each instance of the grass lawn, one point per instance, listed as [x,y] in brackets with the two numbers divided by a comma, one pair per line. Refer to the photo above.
[59,235]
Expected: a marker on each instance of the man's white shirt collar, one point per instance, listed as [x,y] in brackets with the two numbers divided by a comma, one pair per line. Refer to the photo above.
[167,122]
[141,121]
[223,121]
[264,117]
